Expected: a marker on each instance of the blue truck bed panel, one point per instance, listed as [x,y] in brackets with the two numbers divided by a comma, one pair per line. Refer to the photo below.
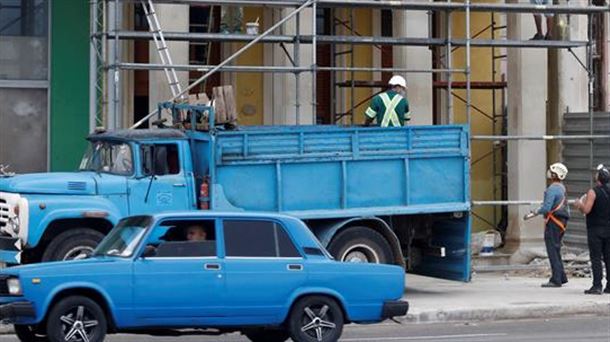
[329,171]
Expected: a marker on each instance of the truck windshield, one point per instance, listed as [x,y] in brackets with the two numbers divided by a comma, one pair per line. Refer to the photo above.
[109,157]
[124,238]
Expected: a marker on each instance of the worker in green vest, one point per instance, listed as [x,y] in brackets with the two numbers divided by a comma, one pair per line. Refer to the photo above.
[390,108]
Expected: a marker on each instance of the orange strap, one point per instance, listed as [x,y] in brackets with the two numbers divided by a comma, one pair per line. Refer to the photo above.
[550,216]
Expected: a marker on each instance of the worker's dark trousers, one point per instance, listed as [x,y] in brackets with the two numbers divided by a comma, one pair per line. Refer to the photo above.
[599,249]
[552,240]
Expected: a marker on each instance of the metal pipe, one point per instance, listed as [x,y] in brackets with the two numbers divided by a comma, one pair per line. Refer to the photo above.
[510,203]
[404,5]
[314,64]
[93,66]
[117,59]
[468,71]
[540,137]
[297,78]
[273,69]
[449,66]
[591,79]
[352,73]
[230,59]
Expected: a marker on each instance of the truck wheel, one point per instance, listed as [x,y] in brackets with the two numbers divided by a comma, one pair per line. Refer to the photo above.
[28,333]
[361,244]
[73,244]
[76,318]
[315,319]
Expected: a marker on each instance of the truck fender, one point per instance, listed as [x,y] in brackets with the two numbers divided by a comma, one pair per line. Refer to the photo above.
[111,215]
[326,230]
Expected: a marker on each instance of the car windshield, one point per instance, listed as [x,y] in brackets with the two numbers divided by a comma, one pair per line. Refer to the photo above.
[109,157]
[124,238]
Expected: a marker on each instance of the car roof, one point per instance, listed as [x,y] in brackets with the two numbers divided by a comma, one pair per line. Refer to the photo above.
[215,214]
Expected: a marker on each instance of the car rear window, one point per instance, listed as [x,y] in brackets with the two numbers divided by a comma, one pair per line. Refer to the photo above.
[257,239]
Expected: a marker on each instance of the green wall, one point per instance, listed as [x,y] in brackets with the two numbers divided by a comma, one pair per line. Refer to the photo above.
[69,119]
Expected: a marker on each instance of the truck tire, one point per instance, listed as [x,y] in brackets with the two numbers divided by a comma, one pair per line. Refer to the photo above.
[316,319]
[361,244]
[74,316]
[72,244]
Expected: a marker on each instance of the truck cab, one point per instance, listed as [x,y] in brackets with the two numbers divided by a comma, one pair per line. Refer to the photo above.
[59,216]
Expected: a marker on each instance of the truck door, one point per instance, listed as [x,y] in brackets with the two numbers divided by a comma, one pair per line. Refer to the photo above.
[162,184]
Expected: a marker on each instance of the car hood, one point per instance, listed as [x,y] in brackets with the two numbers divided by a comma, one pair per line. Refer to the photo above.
[64,267]
[70,183]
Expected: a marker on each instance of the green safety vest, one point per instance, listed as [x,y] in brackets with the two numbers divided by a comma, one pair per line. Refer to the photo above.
[390,109]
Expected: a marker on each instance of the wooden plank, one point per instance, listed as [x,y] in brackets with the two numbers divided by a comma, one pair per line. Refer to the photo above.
[230,105]
[219,104]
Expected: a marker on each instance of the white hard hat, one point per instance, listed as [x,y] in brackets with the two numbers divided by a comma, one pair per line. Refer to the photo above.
[559,169]
[398,80]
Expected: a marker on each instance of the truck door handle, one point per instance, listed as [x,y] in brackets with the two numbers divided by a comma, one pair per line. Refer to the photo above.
[212,267]
[179,185]
[295,267]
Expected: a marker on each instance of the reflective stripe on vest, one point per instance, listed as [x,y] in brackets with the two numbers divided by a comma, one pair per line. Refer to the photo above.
[551,216]
[390,109]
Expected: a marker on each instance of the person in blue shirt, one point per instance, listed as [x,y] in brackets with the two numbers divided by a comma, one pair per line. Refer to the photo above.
[556,214]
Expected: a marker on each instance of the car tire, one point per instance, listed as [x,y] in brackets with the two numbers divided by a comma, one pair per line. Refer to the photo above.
[72,244]
[267,335]
[361,244]
[76,315]
[28,333]
[316,319]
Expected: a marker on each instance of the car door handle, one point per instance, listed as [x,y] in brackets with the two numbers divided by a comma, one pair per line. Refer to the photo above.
[179,185]
[295,267]
[212,267]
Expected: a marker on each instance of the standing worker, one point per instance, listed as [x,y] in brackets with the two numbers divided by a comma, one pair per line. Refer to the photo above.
[595,204]
[390,108]
[556,214]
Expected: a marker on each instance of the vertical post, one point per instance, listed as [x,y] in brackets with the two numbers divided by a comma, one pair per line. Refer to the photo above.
[468,93]
[352,73]
[111,51]
[117,60]
[590,80]
[297,75]
[494,119]
[333,74]
[314,64]
[449,67]
[93,76]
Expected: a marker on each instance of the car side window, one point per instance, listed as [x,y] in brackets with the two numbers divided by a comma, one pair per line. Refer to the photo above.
[182,238]
[257,238]
[162,159]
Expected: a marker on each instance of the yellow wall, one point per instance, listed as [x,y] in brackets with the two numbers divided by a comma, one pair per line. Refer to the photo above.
[249,86]
[363,57]
[482,173]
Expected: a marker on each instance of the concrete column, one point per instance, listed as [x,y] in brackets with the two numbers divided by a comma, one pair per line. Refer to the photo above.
[527,95]
[415,24]
[173,18]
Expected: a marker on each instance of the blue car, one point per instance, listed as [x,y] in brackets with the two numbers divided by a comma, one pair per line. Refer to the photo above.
[266,276]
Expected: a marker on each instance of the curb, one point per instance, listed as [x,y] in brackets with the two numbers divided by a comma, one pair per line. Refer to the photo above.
[508,313]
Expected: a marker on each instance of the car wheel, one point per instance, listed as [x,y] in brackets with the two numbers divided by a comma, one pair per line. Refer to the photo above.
[361,244]
[316,319]
[267,335]
[73,244]
[76,319]
[28,333]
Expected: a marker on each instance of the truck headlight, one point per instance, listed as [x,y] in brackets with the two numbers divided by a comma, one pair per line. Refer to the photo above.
[14,286]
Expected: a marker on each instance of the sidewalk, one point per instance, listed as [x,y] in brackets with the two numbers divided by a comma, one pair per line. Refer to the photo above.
[493,296]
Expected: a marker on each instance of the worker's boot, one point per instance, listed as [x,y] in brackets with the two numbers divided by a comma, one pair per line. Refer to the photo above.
[594,290]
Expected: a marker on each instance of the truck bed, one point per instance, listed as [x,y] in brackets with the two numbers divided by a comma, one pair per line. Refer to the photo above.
[329,171]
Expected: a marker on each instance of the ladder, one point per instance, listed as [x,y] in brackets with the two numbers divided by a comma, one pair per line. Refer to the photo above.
[162,49]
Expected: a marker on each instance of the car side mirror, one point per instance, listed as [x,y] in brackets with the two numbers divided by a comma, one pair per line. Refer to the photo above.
[149,251]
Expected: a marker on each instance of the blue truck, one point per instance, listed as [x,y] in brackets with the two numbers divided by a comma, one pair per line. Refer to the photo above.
[384,195]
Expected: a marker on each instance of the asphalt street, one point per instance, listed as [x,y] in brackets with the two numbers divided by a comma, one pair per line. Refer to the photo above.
[590,329]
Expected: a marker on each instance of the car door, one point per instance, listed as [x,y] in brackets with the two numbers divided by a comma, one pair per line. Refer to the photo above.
[178,282]
[162,184]
[263,268]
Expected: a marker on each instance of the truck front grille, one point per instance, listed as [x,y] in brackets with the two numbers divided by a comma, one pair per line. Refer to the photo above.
[4,209]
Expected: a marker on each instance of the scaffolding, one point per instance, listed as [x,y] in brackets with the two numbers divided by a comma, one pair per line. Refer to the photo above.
[107,34]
